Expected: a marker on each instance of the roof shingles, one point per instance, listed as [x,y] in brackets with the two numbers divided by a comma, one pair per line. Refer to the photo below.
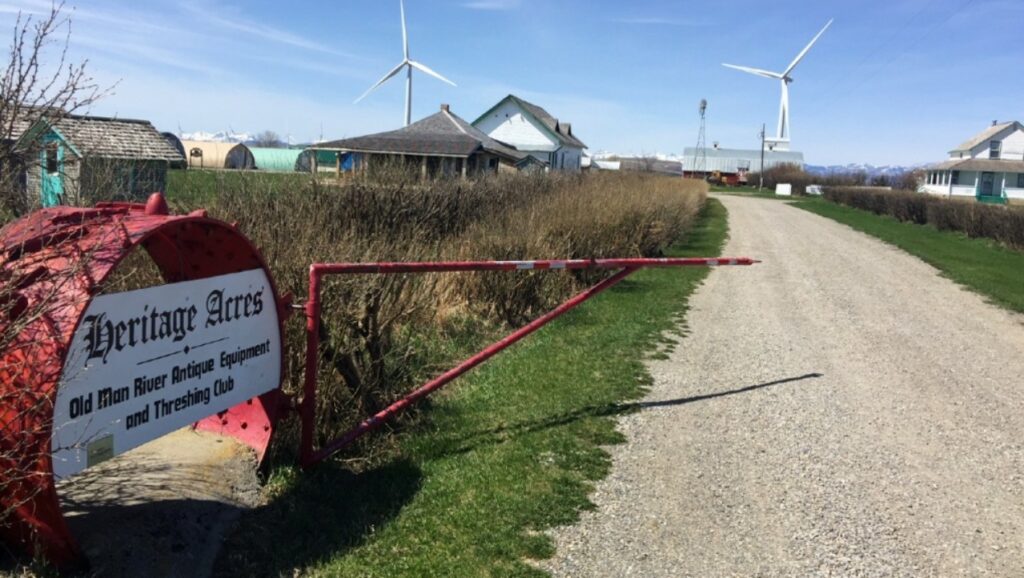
[116,139]
[441,134]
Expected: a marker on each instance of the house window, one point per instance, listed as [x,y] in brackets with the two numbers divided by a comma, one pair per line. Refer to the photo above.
[994,148]
[52,166]
[1020,180]
[956,178]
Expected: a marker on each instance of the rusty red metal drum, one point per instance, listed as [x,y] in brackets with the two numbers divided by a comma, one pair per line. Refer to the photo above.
[54,262]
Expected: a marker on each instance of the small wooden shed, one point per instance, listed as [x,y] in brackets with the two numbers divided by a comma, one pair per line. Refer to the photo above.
[86,159]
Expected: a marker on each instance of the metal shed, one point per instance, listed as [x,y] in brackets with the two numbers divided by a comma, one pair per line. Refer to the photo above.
[173,140]
[218,155]
[276,160]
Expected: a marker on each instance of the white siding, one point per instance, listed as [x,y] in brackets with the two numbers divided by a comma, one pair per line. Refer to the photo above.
[508,124]
[1012,147]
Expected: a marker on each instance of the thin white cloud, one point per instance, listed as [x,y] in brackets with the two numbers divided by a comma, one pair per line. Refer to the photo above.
[261,31]
[492,4]
[656,21]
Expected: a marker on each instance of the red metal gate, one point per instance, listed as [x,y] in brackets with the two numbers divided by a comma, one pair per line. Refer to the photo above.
[307,408]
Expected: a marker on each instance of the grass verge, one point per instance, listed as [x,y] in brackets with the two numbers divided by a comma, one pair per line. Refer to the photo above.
[981,265]
[510,450]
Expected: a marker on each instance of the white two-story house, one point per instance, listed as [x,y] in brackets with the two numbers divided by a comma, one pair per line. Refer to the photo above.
[531,130]
[989,167]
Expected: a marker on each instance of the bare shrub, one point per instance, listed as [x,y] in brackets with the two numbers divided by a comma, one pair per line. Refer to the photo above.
[38,83]
[1002,224]
[381,333]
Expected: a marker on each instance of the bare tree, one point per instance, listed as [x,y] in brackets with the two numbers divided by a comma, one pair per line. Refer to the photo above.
[40,82]
[268,139]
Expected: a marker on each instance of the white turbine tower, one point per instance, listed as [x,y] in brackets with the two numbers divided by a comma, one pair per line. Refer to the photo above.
[785,78]
[408,64]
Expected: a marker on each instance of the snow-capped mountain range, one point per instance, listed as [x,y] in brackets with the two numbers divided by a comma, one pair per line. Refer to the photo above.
[870,170]
[852,168]
[222,136]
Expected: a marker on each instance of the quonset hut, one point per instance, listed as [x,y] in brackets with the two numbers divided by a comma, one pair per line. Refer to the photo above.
[276,160]
[218,155]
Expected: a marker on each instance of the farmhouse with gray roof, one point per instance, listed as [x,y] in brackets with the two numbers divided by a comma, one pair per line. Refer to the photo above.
[534,131]
[442,144]
[988,166]
[84,159]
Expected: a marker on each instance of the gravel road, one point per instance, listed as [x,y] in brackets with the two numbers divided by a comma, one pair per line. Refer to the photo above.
[840,410]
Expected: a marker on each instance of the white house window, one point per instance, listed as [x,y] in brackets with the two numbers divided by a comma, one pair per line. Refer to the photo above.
[956,178]
[994,148]
[1020,180]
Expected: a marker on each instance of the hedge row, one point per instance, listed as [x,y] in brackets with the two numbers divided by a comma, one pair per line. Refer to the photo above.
[1002,224]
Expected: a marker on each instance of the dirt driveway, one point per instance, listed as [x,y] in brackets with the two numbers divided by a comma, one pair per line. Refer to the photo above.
[840,410]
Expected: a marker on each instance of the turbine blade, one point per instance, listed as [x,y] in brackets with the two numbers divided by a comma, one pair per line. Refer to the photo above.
[386,78]
[405,32]
[807,49]
[423,68]
[757,71]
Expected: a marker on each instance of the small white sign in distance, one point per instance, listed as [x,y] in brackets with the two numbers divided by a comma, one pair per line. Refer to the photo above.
[145,363]
[784,190]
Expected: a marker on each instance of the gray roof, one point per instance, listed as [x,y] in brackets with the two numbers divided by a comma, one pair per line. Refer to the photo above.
[441,134]
[983,165]
[985,135]
[25,117]
[114,138]
[562,130]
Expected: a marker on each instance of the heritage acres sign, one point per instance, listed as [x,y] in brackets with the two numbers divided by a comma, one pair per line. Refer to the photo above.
[145,363]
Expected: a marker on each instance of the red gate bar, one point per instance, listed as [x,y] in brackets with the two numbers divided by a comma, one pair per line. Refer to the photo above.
[307,408]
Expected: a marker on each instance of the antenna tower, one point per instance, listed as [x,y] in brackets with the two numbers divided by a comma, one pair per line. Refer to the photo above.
[700,160]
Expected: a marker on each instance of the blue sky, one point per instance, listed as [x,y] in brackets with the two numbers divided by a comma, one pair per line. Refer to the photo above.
[892,82]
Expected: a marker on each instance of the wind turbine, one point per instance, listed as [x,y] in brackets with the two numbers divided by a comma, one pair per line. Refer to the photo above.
[785,78]
[408,64]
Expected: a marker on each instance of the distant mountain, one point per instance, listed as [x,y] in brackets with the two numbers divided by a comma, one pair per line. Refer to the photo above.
[871,170]
[223,136]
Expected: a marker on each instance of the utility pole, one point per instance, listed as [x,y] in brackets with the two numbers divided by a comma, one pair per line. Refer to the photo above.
[760,173]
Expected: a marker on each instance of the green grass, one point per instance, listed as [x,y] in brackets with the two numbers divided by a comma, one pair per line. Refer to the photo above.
[508,451]
[981,265]
[197,186]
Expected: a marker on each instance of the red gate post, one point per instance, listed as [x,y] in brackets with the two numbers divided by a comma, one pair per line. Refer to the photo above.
[310,456]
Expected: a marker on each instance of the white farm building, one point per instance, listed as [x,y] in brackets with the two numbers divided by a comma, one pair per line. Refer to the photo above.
[532,130]
[989,167]
[733,165]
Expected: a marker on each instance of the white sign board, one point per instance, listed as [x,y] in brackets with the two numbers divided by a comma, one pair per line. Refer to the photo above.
[784,190]
[145,363]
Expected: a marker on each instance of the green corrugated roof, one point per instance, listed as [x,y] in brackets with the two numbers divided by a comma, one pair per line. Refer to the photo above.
[281,160]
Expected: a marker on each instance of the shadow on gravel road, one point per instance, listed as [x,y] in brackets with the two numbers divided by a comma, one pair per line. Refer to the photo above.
[696,398]
[474,440]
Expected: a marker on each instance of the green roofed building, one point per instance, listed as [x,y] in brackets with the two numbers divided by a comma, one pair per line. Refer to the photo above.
[276,160]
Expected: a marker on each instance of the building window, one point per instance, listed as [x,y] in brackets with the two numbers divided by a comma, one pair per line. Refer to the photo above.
[956,178]
[51,159]
[994,148]
[1020,180]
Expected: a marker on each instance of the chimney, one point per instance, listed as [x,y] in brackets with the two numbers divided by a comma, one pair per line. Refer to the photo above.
[445,108]
[715,144]
[995,122]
